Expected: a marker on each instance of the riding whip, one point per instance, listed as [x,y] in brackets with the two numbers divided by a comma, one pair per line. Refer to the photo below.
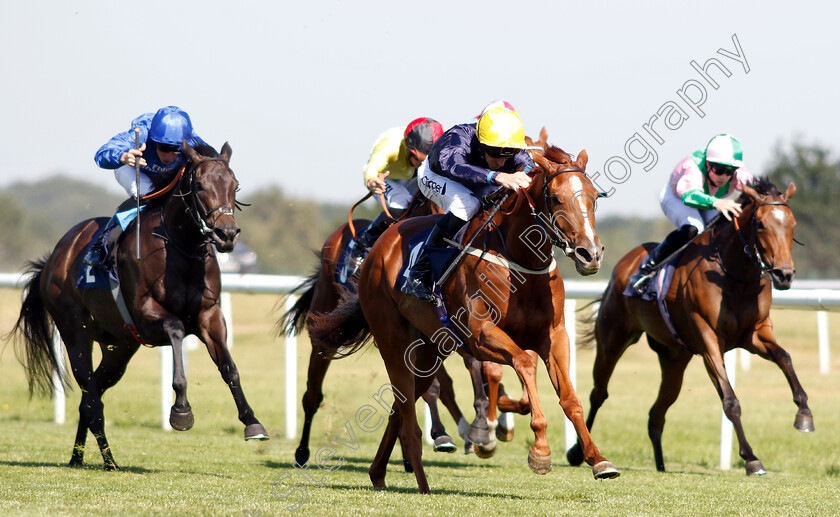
[137,170]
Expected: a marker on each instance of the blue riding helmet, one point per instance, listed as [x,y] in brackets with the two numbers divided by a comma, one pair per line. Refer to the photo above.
[170,125]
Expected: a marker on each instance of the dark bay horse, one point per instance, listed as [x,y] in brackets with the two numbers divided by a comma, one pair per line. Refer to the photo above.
[320,293]
[172,291]
[719,299]
[503,300]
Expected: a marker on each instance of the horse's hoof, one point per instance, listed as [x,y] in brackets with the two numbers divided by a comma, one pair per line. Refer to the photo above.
[258,432]
[485,451]
[301,456]
[469,447]
[181,421]
[504,434]
[378,484]
[605,470]
[479,436]
[110,467]
[755,467]
[804,423]
[407,466]
[575,455]
[539,464]
[444,443]
[76,463]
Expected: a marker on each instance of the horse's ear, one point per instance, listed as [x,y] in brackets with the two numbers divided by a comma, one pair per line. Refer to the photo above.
[543,136]
[226,152]
[748,190]
[190,152]
[582,159]
[541,161]
[790,191]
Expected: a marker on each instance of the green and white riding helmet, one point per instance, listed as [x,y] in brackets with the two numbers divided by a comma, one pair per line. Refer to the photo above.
[725,149]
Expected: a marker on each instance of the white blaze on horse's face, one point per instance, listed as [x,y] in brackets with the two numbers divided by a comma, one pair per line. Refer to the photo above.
[577,186]
[780,214]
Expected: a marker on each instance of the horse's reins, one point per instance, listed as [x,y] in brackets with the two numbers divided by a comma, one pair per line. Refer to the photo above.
[359,202]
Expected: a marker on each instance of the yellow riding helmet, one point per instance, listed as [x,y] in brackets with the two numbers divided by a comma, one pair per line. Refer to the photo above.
[501,127]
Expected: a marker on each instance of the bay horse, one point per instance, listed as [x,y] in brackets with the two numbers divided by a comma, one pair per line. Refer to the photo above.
[504,301]
[171,291]
[320,292]
[719,299]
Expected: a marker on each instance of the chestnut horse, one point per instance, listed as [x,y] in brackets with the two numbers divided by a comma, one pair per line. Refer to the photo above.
[171,291]
[320,293]
[719,299]
[505,299]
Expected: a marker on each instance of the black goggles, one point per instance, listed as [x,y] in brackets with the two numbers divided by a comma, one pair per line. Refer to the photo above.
[169,148]
[723,170]
[500,152]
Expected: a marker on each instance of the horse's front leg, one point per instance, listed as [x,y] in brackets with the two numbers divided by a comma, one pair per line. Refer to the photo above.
[498,347]
[180,416]
[214,334]
[556,360]
[713,361]
[765,345]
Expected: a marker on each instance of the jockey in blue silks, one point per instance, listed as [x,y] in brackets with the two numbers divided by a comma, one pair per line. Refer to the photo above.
[161,136]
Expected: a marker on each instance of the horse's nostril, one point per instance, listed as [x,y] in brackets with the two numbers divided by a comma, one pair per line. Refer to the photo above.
[583,254]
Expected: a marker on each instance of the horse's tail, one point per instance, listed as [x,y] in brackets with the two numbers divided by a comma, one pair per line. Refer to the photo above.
[344,330]
[587,320]
[33,334]
[293,320]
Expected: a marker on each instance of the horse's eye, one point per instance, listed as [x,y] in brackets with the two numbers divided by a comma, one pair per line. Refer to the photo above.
[199,186]
[759,225]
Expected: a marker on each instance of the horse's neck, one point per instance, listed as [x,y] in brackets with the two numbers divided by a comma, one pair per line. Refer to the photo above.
[735,260]
[179,225]
[524,242]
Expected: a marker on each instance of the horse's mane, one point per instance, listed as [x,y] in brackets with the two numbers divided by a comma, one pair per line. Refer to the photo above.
[764,186]
[206,150]
[557,155]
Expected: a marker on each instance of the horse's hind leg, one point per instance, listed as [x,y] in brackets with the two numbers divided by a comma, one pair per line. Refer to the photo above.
[447,396]
[442,441]
[765,345]
[312,398]
[479,434]
[379,465]
[80,354]
[673,363]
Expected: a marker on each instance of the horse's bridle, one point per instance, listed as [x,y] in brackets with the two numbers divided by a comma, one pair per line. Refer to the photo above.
[754,253]
[196,209]
[560,239]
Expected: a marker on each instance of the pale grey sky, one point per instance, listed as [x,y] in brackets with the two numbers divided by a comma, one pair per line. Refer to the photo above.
[301,90]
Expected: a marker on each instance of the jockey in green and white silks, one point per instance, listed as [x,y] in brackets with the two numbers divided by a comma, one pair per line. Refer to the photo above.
[695,187]
[703,184]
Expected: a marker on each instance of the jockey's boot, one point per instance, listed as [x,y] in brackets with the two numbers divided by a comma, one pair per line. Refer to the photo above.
[366,238]
[674,241]
[97,255]
[418,282]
